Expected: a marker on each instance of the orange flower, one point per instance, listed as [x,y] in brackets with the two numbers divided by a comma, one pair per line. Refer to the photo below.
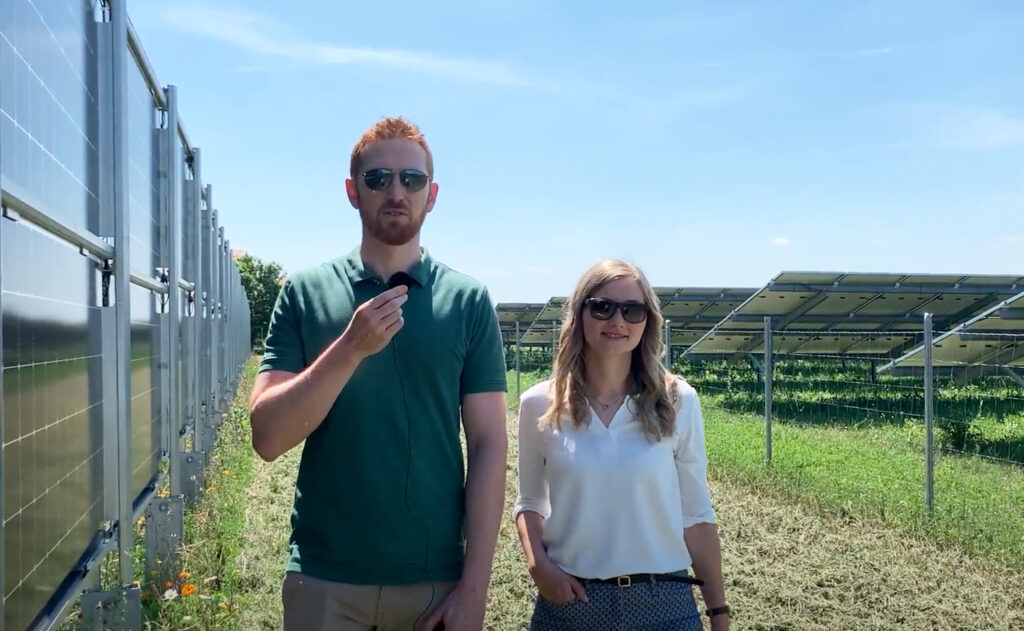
[188,590]
[224,606]
[184,575]
[167,585]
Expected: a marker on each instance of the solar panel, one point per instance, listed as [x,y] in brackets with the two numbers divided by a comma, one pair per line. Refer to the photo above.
[52,460]
[511,313]
[993,338]
[851,314]
[691,311]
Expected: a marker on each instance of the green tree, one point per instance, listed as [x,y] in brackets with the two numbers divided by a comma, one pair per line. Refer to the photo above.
[262,282]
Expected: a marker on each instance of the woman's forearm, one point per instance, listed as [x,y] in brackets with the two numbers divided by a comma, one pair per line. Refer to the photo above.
[706,555]
[531,534]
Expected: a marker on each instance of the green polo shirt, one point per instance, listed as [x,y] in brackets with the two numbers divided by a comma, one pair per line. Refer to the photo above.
[380,494]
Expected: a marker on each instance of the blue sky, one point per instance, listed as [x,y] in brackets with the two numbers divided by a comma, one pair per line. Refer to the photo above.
[712,143]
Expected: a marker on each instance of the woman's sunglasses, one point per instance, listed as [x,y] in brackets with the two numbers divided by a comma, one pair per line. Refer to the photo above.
[380,178]
[604,309]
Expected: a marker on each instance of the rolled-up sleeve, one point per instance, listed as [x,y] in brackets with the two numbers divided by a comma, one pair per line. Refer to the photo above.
[691,460]
[533,484]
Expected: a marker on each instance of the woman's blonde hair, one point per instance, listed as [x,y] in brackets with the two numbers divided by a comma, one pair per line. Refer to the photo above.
[650,383]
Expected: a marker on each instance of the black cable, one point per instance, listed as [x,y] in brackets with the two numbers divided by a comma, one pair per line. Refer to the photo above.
[402,278]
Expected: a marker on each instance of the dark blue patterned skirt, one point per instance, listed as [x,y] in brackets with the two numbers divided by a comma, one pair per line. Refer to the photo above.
[657,606]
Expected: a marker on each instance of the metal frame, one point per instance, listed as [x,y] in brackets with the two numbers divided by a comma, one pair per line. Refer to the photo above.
[929,414]
[172,182]
[768,367]
[1005,310]
[3,421]
[117,46]
[122,283]
[813,289]
[15,207]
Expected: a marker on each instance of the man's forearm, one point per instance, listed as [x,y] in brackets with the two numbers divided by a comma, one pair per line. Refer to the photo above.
[485,493]
[285,414]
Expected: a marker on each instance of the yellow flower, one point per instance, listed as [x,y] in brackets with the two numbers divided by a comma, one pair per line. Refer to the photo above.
[224,606]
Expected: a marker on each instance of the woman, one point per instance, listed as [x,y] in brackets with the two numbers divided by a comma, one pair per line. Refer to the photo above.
[613,502]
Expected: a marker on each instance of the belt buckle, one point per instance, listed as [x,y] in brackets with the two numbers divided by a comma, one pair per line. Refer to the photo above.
[624,581]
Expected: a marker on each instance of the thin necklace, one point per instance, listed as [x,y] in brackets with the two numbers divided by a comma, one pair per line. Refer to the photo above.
[607,406]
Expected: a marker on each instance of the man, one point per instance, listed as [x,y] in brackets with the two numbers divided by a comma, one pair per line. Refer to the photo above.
[375,379]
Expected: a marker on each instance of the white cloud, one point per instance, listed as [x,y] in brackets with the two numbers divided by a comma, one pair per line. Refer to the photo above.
[263,35]
[781,242]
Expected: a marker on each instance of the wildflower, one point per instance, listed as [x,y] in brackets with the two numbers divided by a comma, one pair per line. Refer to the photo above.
[167,584]
[188,589]
[184,575]
[170,594]
[224,606]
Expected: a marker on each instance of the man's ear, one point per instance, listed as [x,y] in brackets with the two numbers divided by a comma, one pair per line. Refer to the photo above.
[432,196]
[353,192]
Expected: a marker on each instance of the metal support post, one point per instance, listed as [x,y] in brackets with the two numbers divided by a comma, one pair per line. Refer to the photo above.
[215,261]
[668,345]
[113,611]
[119,60]
[929,400]
[192,465]
[519,383]
[171,181]
[164,526]
[769,366]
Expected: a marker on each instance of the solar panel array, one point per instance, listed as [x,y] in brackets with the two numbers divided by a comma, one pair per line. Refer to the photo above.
[812,313]
[72,401]
[864,315]
[992,338]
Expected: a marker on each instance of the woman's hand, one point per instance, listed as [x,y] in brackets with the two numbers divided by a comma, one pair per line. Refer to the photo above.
[555,585]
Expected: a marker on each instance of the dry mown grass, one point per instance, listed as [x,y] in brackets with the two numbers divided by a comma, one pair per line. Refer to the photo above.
[787,566]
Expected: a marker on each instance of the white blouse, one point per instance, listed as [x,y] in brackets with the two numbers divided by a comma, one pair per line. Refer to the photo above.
[614,503]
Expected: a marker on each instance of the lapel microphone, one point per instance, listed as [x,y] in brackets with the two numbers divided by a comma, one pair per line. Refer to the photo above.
[400,278]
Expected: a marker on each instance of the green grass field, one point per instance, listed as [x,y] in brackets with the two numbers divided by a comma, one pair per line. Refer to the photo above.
[831,536]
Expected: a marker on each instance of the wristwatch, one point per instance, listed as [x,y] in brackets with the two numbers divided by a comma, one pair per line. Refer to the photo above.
[717,611]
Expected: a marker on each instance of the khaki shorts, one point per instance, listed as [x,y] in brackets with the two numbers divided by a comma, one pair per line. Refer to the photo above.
[312,604]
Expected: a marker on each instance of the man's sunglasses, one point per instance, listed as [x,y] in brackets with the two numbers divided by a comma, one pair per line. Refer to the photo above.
[604,309]
[379,179]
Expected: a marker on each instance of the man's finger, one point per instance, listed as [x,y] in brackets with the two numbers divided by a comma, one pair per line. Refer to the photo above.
[385,296]
[392,304]
[391,318]
[395,326]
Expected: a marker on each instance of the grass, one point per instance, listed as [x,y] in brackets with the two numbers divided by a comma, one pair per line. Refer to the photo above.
[206,591]
[873,473]
[805,547]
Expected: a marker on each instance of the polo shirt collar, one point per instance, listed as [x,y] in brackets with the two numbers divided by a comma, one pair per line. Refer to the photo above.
[357,272]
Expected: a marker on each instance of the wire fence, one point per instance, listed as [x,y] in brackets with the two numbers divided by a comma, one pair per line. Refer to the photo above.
[936,429]
[125,324]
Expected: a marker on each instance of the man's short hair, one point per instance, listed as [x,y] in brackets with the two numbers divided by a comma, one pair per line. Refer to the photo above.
[391,128]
